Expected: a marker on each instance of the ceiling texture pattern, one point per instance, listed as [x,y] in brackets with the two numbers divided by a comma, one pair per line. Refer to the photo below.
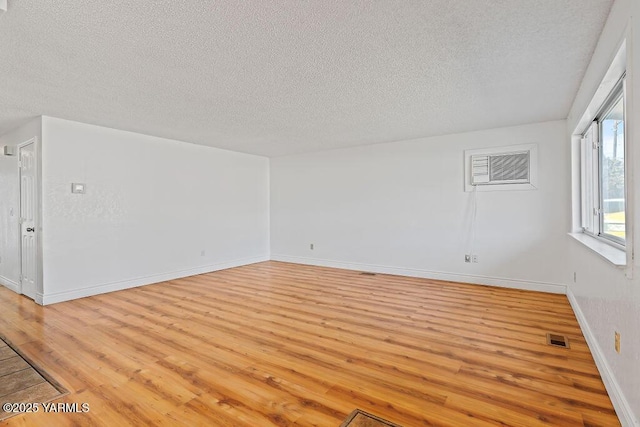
[290,76]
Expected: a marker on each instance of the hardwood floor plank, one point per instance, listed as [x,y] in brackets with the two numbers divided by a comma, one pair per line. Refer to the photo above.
[278,344]
[518,415]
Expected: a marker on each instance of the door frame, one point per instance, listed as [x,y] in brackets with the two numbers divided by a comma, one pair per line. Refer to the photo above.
[37,219]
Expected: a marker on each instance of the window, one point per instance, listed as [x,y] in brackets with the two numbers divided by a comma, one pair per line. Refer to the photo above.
[603,171]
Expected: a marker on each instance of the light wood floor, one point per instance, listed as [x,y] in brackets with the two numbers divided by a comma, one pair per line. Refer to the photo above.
[283,344]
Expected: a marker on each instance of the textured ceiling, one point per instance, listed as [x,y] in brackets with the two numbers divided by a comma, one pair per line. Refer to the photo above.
[289,76]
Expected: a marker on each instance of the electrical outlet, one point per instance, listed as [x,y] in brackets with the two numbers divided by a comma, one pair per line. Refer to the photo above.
[574,277]
[617,341]
[202,253]
[474,258]
[311,246]
[467,258]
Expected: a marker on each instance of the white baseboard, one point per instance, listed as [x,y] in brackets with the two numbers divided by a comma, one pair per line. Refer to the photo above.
[428,274]
[52,298]
[14,286]
[620,403]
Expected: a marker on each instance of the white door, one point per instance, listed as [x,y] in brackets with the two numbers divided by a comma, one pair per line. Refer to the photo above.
[27,219]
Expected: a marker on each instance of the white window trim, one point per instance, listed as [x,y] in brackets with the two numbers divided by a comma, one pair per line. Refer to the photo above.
[614,255]
[621,257]
[589,193]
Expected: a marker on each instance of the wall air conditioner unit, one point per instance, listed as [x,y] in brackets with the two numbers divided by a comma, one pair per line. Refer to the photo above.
[501,168]
[507,168]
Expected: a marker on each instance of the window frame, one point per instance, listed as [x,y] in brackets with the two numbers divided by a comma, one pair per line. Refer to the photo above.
[591,161]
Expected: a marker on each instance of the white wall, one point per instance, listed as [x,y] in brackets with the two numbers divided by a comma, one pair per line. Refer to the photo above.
[401,208]
[151,206]
[604,298]
[10,204]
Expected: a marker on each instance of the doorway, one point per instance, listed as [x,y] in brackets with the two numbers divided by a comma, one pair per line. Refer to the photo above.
[28,218]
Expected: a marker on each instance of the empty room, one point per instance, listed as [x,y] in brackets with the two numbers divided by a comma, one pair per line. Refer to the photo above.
[320,213]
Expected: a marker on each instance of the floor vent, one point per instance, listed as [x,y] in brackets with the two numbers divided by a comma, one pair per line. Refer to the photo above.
[367,273]
[557,340]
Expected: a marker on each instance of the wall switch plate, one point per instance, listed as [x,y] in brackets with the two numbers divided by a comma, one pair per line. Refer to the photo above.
[8,150]
[617,342]
[467,258]
[78,188]
[202,252]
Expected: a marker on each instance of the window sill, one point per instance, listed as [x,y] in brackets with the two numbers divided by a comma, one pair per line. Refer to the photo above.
[616,256]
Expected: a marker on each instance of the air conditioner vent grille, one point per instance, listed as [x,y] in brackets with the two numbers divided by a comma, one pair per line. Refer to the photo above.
[509,167]
[501,168]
